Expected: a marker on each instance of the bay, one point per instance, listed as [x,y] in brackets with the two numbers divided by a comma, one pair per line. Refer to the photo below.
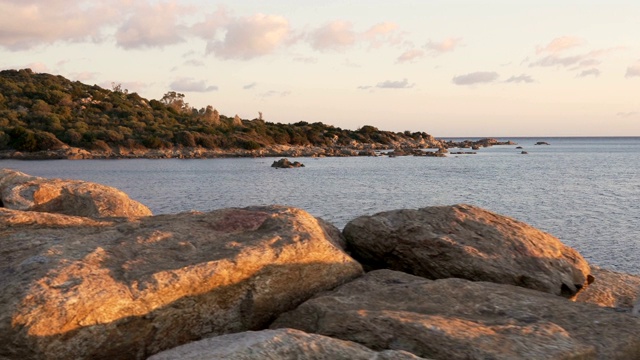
[585,191]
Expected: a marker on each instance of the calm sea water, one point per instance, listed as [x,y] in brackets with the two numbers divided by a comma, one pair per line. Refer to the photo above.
[585,191]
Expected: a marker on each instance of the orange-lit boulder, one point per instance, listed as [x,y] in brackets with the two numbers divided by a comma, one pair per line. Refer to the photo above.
[82,288]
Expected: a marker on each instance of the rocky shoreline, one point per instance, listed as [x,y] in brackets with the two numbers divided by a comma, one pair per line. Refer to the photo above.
[356,149]
[88,273]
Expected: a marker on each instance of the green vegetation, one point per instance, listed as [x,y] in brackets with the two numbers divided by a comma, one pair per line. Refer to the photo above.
[45,112]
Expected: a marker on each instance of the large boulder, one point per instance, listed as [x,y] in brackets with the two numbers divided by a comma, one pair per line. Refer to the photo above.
[20,191]
[460,319]
[611,289]
[82,288]
[467,242]
[281,344]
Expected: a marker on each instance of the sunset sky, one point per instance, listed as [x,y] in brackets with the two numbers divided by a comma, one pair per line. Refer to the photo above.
[450,67]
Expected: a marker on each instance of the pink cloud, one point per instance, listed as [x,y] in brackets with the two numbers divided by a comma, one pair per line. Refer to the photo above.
[559,44]
[251,37]
[152,25]
[26,24]
[443,46]
[335,35]
[410,55]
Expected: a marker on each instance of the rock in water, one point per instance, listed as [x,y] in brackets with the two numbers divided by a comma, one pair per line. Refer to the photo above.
[281,344]
[284,163]
[467,242]
[458,319]
[81,288]
[20,191]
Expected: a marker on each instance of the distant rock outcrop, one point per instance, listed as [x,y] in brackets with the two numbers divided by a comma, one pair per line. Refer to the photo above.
[20,191]
[542,143]
[81,288]
[281,344]
[459,319]
[467,242]
[284,163]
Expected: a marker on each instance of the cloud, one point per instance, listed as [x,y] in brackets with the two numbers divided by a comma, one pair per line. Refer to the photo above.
[37,67]
[336,35]
[152,25]
[27,24]
[633,70]
[192,85]
[480,77]
[83,76]
[390,84]
[520,79]
[589,72]
[306,59]
[559,44]
[381,34]
[273,93]
[365,87]
[444,46]
[251,37]
[250,86]
[578,61]
[410,55]
[628,114]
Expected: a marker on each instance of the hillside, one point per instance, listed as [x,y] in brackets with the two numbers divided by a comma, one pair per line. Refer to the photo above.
[44,112]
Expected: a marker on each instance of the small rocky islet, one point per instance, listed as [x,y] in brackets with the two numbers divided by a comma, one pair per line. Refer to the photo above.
[88,273]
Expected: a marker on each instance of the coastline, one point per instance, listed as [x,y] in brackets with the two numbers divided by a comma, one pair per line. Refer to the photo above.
[356,149]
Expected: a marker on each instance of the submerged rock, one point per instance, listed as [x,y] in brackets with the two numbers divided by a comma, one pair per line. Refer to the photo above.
[286,164]
[281,344]
[467,242]
[20,191]
[81,288]
[460,319]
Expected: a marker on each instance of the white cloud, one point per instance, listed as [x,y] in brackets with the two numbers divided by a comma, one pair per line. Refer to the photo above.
[306,59]
[251,37]
[443,46]
[480,77]
[152,25]
[192,85]
[26,24]
[589,72]
[559,44]
[272,93]
[250,86]
[382,34]
[410,55]
[520,79]
[336,35]
[633,70]
[390,84]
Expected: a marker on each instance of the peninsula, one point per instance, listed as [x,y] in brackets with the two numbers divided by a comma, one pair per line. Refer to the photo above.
[44,116]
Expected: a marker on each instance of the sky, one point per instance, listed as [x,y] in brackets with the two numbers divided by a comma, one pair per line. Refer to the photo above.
[446,67]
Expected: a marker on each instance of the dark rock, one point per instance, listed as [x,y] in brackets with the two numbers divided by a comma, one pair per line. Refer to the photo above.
[542,143]
[284,163]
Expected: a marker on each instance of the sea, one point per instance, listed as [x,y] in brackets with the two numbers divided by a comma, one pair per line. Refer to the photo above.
[583,190]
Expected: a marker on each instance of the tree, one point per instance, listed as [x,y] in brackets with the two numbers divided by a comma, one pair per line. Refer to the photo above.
[175,100]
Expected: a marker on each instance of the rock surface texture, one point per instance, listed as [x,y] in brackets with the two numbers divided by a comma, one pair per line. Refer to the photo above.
[82,288]
[281,344]
[459,319]
[611,289]
[464,241]
[20,191]
[286,164]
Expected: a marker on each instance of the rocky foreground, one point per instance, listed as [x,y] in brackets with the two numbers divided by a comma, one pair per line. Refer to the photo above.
[88,273]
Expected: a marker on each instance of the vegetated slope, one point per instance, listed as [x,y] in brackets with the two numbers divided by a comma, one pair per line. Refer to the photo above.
[47,112]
